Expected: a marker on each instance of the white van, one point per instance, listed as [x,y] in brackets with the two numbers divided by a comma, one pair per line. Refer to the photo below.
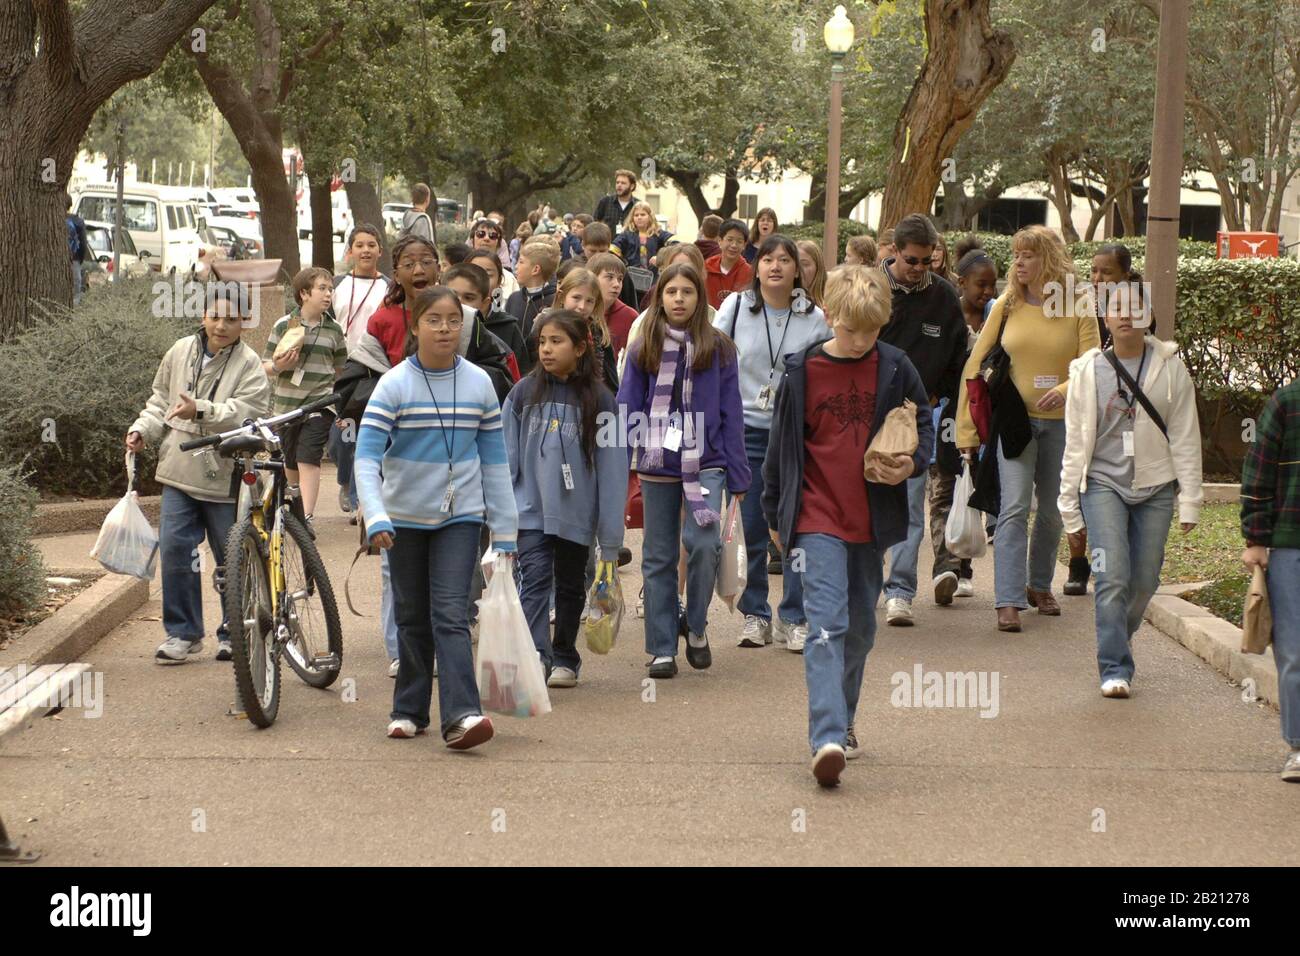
[162,221]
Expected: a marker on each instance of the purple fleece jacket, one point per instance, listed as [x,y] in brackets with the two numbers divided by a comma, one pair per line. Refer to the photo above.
[715,395]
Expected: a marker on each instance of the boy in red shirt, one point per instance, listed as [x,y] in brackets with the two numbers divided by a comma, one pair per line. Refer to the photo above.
[728,271]
[619,316]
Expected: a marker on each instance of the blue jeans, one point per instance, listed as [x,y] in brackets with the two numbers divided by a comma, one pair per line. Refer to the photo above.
[1284,599]
[431,571]
[1131,542]
[1015,558]
[546,560]
[664,528]
[754,599]
[387,612]
[902,556]
[840,587]
[344,454]
[76,283]
[185,521]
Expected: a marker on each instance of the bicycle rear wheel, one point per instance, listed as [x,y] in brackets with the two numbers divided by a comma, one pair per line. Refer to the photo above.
[315,646]
[252,626]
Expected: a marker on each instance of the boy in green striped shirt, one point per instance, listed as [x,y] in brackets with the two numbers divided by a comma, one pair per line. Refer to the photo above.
[305,373]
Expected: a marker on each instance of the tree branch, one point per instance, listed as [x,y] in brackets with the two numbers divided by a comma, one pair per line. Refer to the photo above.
[58,42]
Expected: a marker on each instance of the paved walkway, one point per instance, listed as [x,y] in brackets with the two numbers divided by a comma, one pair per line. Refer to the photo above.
[714,770]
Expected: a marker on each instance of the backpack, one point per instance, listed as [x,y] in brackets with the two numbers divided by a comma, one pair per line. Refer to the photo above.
[406,230]
[74,241]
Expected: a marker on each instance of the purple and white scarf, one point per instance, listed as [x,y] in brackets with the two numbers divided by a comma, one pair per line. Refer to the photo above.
[652,456]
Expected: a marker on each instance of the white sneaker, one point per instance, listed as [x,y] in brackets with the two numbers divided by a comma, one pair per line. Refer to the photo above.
[965,588]
[469,732]
[1116,687]
[756,632]
[404,729]
[851,749]
[176,650]
[345,502]
[392,668]
[945,586]
[796,637]
[562,677]
[898,612]
[827,764]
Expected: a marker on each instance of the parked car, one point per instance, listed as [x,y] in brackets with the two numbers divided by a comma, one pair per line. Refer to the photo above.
[222,244]
[161,220]
[248,229]
[100,234]
[393,213]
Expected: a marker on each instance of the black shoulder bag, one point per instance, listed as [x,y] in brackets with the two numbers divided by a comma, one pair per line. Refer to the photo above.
[995,368]
[1140,395]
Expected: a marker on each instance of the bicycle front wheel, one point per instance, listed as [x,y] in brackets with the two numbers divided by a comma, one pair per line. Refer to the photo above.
[315,646]
[252,626]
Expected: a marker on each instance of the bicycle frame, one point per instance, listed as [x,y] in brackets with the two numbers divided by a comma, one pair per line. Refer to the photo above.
[272,507]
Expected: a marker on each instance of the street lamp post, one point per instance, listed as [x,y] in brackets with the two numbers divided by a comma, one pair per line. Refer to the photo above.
[838,34]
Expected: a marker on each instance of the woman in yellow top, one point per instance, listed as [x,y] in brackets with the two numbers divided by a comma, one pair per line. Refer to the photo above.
[1048,326]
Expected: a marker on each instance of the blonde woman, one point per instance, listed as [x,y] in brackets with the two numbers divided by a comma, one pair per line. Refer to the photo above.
[641,239]
[812,271]
[1042,328]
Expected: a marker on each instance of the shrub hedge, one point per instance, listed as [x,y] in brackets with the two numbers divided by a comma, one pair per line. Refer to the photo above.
[22,574]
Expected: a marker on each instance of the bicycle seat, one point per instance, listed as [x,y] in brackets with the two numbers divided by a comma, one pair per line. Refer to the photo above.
[240,445]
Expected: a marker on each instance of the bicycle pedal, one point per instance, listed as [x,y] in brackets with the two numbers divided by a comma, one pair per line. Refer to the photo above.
[326,662]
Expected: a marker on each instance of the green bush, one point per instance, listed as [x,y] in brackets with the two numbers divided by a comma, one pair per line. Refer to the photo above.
[998,247]
[815,231]
[22,574]
[72,384]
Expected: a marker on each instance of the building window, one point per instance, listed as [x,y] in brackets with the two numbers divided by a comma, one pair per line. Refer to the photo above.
[748,206]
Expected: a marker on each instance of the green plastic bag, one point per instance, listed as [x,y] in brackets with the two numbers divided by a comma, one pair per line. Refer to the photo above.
[604,609]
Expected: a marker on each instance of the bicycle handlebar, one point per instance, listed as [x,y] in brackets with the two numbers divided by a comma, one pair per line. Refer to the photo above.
[273,422]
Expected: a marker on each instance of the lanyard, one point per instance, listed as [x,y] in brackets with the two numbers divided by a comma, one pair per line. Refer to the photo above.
[352,291]
[198,370]
[768,329]
[564,417]
[1128,399]
[442,426]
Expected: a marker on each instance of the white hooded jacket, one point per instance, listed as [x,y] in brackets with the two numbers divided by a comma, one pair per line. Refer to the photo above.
[1155,461]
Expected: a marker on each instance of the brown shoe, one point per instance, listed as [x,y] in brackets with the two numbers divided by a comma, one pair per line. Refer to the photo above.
[1044,601]
[1009,619]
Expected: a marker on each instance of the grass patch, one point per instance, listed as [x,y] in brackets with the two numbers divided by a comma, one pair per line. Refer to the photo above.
[1209,552]
[1225,598]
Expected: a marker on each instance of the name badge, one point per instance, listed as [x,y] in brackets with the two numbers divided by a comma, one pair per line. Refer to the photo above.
[298,374]
[567,472]
[765,398]
[448,498]
[1046,381]
[1128,444]
[673,438]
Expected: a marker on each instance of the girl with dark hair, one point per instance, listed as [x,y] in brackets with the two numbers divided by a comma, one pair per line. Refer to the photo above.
[434,427]
[1112,265]
[568,489]
[774,318]
[765,224]
[685,431]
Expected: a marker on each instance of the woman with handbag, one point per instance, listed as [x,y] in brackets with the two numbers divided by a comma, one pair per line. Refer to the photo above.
[639,244]
[1132,441]
[1023,354]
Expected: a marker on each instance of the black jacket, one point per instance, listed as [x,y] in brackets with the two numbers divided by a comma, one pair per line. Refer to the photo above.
[608,212]
[526,308]
[492,355]
[783,467]
[506,327]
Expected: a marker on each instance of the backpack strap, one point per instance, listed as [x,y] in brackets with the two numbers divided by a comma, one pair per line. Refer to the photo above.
[1140,395]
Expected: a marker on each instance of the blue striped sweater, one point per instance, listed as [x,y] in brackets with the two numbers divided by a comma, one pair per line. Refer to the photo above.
[401,432]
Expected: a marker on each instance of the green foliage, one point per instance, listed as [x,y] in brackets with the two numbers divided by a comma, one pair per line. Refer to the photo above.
[1225,597]
[998,247]
[816,230]
[72,385]
[22,574]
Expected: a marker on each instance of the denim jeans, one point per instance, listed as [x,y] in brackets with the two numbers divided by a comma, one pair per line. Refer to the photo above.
[1284,599]
[185,521]
[1015,558]
[344,454]
[387,613]
[431,571]
[902,556]
[1129,541]
[76,283]
[754,598]
[547,560]
[664,529]
[841,585]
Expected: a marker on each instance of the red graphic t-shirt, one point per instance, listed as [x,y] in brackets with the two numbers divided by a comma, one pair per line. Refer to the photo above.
[839,406]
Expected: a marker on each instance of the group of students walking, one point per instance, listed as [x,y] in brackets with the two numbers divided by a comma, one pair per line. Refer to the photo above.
[748,376]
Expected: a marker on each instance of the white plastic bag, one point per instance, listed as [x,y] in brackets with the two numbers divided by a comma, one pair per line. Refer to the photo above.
[127,543]
[733,562]
[964,533]
[510,676]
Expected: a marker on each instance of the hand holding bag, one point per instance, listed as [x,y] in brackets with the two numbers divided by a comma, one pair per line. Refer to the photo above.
[510,676]
[604,609]
[733,561]
[897,436]
[964,532]
[1257,618]
[127,544]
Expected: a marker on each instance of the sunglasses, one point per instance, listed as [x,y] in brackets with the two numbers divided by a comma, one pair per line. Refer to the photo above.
[913,261]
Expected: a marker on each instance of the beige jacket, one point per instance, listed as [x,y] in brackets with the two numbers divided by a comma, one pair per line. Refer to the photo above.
[1155,461]
[232,388]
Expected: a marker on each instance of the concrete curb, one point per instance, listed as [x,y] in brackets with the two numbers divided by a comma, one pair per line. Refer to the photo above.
[1215,641]
[74,516]
[76,627]
[1217,493]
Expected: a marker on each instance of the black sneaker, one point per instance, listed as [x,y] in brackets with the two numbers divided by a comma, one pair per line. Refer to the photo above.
[624,557]
[1077,583]
[774,563]
[698,657]
[663,669]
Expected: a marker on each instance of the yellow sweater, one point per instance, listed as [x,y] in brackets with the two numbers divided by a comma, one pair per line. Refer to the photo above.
[1041,350]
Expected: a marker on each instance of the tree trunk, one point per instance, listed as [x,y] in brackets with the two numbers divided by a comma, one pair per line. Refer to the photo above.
[511,188]
[47,101]
[965,61]
[816,197]
[367,210]
[1059,192]
[322,220]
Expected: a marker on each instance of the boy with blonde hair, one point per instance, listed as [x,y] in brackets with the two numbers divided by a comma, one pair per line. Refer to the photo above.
[831,402]
[539,257]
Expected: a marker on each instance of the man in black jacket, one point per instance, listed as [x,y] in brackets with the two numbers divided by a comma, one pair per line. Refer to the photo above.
[612,209]
[926,323]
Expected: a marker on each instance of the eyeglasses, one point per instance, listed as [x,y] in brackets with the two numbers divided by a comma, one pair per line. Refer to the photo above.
[913,261]
[484,234]
[427,263]
[451,325]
